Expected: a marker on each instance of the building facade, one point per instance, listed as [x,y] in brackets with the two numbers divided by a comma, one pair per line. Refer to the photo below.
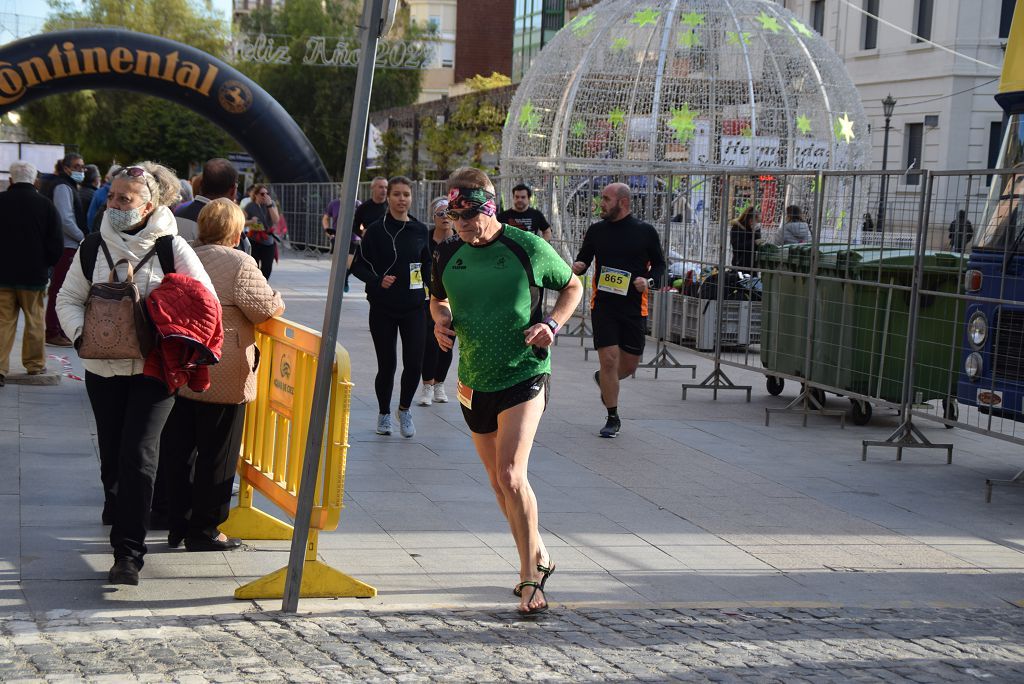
[442,17]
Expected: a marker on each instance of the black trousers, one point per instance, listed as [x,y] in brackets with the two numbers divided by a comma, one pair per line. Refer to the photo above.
[264,256]
[436,362]
[385,327]
[198,456]
[130,413]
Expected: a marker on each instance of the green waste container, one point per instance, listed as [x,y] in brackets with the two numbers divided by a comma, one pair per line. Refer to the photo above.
[784,307]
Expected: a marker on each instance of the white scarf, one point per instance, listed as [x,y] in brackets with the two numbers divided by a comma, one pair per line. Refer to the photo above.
[134,247]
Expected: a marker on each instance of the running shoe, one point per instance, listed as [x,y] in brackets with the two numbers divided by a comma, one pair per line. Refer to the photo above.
[405,422]
[384,424]
[426,395]
[611,427]
[439,395]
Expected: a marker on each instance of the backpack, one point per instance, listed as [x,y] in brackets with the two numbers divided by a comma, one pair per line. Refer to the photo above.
[116,325]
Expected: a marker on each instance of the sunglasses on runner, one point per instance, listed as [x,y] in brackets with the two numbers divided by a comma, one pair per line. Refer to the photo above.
[465,214]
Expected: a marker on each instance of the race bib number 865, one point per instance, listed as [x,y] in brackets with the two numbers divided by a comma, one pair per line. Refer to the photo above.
[613,280]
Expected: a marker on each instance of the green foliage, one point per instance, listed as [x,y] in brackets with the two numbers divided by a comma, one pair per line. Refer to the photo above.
[446,145]
[108,125]
[480,118]
[320,99]
[389,162]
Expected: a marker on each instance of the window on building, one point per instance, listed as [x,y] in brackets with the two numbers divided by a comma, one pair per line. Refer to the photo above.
[912,149]
[447,55]
[870,41]
[818,16]
[995,141]
[1006,17]
[434,22]
[923,20]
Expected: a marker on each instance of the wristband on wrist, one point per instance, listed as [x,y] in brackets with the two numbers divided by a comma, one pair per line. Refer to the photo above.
[553,324]
[651,283]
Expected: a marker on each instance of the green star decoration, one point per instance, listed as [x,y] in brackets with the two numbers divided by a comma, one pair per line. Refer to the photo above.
[689,39]
[616,117]
[682,123]
[692,19]
[803,124]
[620,44]
[581,25]
[768,22]
[747,132]
[645,17]
[735,38]
[579,128]
[845,128]
[801,28]
[528,118]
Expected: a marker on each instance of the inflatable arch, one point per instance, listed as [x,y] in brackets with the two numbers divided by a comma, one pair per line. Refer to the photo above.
[79,59]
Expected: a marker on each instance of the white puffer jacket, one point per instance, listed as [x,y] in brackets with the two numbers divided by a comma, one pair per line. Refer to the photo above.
[72,296]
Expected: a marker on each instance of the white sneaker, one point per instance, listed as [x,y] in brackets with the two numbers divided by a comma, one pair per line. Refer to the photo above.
[405,422]
[426,395]
[439,396]
[384,424]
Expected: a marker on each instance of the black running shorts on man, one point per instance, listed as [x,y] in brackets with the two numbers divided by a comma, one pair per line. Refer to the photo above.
[481,409]
[492,290]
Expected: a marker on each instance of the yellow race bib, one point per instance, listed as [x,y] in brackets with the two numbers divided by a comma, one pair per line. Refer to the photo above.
[613,280]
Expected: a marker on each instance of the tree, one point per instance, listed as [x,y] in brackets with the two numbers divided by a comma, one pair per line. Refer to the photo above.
[123,126]
[320,99]
[446,145]
[390,160]
[480,117]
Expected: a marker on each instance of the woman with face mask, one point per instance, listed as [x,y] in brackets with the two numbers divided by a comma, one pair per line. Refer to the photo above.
[130,408]
[62,189]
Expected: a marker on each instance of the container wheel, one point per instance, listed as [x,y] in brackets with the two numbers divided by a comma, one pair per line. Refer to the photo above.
[860,412]
[950,410]
[775,385]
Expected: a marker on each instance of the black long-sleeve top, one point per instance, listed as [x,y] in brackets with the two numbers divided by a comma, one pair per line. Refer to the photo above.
[393,247]
[628,245]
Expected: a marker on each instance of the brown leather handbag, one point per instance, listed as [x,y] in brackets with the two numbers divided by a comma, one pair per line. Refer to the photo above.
[116,325]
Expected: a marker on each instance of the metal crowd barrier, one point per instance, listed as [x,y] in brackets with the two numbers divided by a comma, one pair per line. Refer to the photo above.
[273,445]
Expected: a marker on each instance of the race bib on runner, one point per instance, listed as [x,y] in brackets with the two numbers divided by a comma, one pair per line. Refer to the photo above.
[613,280]
[415,276]
[465,395]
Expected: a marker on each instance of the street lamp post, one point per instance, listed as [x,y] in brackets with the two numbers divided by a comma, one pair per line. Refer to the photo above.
[888,105]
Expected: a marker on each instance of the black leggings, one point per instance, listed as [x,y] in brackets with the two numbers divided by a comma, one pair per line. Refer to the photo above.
[264,256]
[385,326]
[435,361]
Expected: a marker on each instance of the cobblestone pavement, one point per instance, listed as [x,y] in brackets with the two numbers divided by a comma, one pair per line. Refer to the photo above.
[761,645]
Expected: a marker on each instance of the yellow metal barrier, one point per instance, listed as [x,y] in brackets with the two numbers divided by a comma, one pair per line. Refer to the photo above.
[273,445]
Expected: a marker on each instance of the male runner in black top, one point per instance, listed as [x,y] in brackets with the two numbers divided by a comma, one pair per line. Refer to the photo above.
[628,262]
[523,216]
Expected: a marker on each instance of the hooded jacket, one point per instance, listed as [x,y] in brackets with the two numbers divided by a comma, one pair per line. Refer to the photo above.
[393,247]
[74,292]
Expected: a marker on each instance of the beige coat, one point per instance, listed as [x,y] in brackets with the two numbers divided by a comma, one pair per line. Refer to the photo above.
[247,299]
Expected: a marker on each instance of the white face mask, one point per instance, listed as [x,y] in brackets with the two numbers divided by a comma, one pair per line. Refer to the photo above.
[125,219]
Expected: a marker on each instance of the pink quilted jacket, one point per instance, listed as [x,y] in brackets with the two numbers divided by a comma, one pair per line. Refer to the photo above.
[187,318]
[246,299]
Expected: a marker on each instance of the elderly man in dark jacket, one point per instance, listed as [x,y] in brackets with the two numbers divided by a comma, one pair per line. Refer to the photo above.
[31,234]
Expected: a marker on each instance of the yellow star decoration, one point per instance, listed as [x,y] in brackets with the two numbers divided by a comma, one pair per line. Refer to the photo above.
[617,117]
[768,22]
[682,123]
[689,39]
[736,38]
[692,19]
[620,44]
[645,17]
[803,124]
[528,118]
[581,25]
[747,132]
[845,128]
[801,28]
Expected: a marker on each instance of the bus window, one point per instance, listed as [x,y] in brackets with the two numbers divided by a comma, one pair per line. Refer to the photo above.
[1003,226]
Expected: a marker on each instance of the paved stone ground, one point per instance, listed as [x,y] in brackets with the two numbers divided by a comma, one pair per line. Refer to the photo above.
[765,645]
[698,545]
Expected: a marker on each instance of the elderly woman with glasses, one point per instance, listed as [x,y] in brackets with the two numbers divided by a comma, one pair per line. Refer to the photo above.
[262,216]
[130,408]
[436,361]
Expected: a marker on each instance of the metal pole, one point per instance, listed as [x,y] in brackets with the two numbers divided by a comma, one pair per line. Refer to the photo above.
[371,27]
[885,179]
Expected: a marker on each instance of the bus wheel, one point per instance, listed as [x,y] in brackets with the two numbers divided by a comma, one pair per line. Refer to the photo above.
[950,411]
[774,385]
[861,411]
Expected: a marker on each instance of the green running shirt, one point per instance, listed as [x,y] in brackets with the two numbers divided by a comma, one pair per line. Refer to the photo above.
[492,290]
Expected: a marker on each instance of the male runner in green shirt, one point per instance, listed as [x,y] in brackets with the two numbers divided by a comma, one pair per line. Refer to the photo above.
[488,281]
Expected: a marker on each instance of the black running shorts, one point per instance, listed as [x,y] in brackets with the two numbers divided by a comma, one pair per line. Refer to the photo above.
[482,417]
[613,328]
